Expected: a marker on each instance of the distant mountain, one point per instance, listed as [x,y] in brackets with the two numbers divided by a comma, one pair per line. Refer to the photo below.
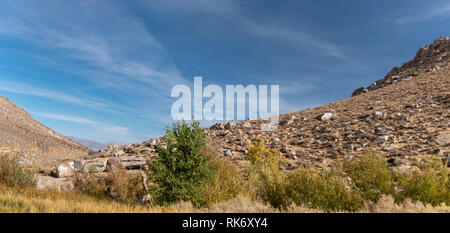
[91,144]
[36,144]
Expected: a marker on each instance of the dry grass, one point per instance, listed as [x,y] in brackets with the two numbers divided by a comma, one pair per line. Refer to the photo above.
[30,200]
[386,205]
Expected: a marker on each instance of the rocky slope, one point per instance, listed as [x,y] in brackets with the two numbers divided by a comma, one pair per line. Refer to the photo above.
[403,116]
[35,144]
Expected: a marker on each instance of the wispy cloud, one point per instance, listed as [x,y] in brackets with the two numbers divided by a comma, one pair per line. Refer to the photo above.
[104,44]
[25,89]
[125,68]
[100,130]
[436,11]
[299,39]
[231,10]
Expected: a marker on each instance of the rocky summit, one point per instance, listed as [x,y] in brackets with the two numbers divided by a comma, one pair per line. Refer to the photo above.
[428,58]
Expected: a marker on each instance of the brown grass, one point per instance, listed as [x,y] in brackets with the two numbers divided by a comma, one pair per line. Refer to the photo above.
[31,200]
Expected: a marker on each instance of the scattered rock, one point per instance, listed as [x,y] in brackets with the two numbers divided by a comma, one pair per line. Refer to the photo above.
[225,153]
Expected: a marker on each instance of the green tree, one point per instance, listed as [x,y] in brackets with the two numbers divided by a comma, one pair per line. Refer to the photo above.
[180,172]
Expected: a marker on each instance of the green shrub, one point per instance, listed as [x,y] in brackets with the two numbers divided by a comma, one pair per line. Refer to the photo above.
[12,174]
[371,176]
[180,172]
[430,186]
[267,180]
[327,191]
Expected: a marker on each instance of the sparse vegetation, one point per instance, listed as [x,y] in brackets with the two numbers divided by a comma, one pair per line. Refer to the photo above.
[12,174]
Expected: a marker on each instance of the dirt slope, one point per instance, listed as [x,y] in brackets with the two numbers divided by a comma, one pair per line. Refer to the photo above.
[37,145]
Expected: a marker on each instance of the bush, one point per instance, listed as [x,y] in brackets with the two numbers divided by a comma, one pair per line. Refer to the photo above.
[127,187]
[371,176]
[180,172]
[227,183]
[12,174]
[267,180]
[430,186]
[90,184]
[327,191]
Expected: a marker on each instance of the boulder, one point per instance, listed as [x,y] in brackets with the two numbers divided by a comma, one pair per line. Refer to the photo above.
[229,125]
[132,162]
[113,164]
[444,138]
[48,182]
[324,117]
[218,126]
[126,162]
[360,91]
[78,165]
[94,166]
[62,171]
[287,121]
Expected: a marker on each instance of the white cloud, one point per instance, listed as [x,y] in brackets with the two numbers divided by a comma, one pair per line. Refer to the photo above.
[441,11]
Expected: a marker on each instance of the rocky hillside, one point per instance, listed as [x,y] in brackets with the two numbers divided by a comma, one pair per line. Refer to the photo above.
[403,116]
[37,145]
[404,121]
[428,58]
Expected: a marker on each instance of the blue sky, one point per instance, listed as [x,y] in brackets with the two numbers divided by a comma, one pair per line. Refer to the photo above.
[103,70]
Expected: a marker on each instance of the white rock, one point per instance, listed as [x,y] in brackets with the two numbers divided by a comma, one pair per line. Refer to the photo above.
[63,171]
